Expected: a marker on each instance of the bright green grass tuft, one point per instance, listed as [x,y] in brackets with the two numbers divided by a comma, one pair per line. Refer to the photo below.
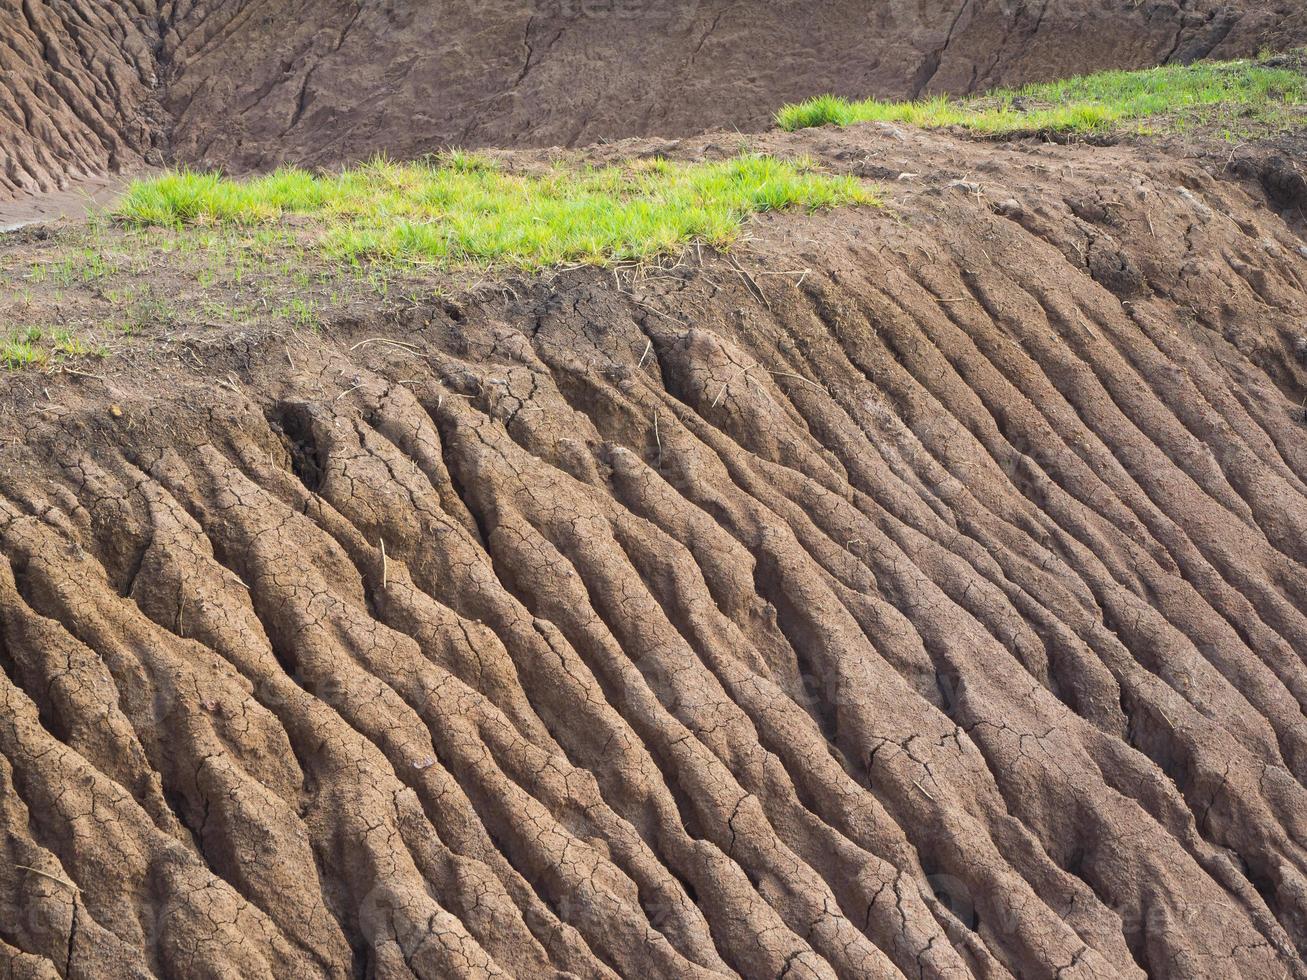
[33,347]
[464,208]
[17,352]
[1086,104]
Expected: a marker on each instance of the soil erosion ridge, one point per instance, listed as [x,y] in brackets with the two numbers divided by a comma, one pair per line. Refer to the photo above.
[916,592]
[93,86]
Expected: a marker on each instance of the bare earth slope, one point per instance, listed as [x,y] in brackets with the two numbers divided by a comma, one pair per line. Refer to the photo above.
[308,80]
[918,593]
[89,86]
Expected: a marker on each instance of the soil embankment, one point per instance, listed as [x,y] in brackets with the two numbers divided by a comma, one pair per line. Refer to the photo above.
[89,87]
[917,592]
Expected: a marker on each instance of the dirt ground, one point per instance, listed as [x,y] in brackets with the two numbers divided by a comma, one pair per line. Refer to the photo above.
[913,592]
[89,87]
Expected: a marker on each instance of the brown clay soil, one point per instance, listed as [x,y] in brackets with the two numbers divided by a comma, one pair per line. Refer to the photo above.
[912,592]
[91,86]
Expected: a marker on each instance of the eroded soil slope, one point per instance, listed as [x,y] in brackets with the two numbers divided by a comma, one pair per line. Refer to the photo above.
[324,81]
[92,86]
[76,81]
[918,592]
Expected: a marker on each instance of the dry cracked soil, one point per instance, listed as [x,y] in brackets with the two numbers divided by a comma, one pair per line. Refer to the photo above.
[915,591]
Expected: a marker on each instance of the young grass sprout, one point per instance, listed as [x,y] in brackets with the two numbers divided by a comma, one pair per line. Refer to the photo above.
[33,347]
[18,353]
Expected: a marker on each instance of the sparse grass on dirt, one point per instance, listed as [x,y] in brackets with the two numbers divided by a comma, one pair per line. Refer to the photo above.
[1247,92]
[464,208]
[34,347]
[74,295]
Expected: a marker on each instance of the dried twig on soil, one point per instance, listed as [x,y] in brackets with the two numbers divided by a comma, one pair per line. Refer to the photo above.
[45,874]
[749,282]
[649,309]
[385,340]
[65,369]
[796,377]
[801,273]
[725,385]
[236,578]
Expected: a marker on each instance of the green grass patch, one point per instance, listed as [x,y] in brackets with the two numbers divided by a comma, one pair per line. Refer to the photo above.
[464,208]
[33,347]
[1102,101]
[23,350]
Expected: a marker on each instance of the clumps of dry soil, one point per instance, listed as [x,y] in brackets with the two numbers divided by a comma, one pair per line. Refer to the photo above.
[912,593]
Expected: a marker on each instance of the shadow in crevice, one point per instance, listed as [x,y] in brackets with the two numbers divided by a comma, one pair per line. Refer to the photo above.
[292,422]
